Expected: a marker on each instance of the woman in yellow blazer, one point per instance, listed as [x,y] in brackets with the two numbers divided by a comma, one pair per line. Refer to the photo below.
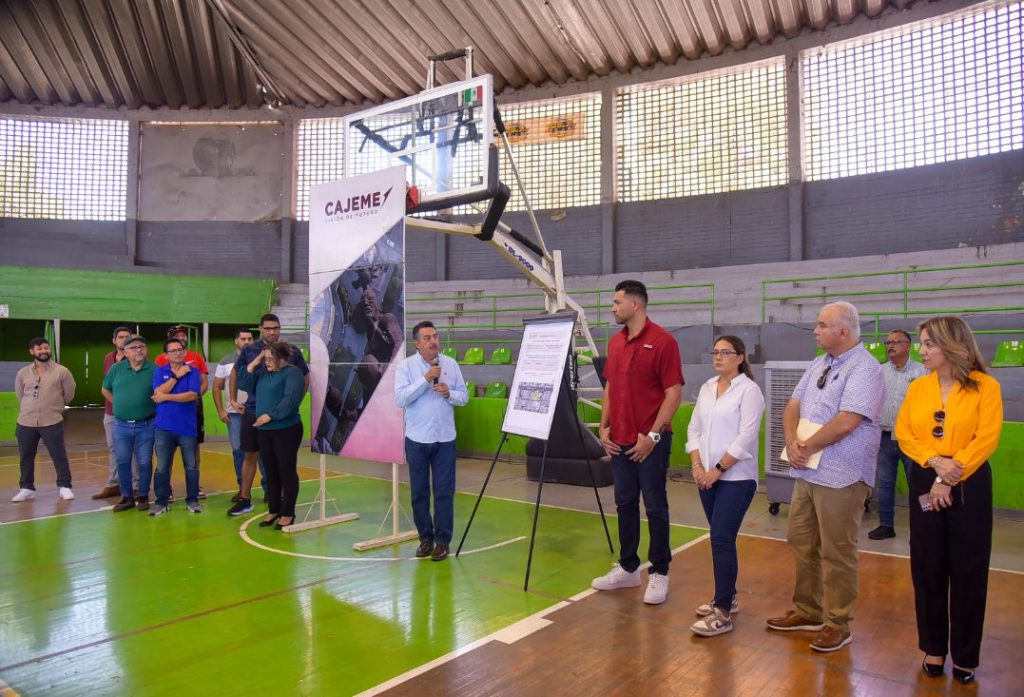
[949,425]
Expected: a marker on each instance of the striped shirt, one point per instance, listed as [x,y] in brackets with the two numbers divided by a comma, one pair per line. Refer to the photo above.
[896,383]
[854,384]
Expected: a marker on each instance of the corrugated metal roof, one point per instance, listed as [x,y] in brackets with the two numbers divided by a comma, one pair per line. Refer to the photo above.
[218,53]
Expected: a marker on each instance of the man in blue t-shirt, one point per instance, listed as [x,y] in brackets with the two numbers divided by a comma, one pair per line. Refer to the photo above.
[176,390]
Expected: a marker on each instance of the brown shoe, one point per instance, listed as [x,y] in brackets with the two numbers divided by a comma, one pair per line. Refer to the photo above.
[143,503]
[424,549]
[440,552]
[107,492]
[124,504]
[791,622]
[831,639]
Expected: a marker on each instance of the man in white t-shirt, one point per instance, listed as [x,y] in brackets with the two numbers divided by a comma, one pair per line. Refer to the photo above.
[230,407]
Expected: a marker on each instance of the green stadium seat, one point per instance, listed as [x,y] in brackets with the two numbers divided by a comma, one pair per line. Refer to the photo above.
[474,356]
[876,349]
[471,388]
[451,353]
[585,357]
[501,356]
[497,389]
[1009,354]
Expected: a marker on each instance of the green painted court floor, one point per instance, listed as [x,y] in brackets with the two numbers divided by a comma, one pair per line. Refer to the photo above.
[123,604]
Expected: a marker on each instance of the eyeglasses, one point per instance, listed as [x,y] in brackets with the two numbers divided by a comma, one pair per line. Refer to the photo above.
[177,350]
[823,380]
[940,417]
[895,342]
[35,391]
[271,328]
[724,353]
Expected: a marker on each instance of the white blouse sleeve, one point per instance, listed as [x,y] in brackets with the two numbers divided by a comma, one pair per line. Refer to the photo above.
[744,445]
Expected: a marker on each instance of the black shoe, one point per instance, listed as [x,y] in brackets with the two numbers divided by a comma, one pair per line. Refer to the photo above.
[124,504]
[236,497]
[882,532]
[440,551]
[267,523]
[424,549]
[962,676]
[278,526]
[933,670]
[241,507]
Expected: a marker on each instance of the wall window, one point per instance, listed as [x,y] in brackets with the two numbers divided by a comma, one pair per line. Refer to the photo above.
[935,91]
[557,148]
[63,169]
[321,158]
[719,131]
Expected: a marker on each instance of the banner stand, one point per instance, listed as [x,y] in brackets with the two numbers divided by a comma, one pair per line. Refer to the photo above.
[396,511]
[322,498]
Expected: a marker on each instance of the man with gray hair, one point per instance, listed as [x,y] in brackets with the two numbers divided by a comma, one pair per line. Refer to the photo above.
[832,436]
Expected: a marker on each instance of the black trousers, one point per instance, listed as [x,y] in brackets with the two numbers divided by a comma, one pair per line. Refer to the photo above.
[28,443]
[279,450]
[949,557]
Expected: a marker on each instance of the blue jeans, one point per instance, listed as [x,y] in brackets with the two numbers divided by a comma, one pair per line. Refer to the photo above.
[886,474]
[166,442]
[725,504]
[134,438]
[648,478]
[432,462]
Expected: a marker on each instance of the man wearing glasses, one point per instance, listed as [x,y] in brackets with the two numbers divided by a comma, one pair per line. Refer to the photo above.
[129,386]
[270,331]
[899,371]
[176,389]
[831,430]
[43,389]
[195,361]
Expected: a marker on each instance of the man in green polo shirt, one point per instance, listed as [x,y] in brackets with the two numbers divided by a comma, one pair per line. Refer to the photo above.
[129,387]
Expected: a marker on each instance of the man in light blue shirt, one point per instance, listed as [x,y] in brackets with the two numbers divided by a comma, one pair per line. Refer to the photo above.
[428,385]
[899,372]
[842,394]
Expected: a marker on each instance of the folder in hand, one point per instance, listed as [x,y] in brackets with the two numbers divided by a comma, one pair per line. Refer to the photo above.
[804,430]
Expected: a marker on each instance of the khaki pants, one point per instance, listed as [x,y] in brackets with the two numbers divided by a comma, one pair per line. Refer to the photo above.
[823,526]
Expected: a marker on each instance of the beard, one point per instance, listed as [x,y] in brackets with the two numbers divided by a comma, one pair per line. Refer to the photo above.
[43,357]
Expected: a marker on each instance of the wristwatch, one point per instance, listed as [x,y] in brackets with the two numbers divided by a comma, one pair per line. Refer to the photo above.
[655,436]
[718,466]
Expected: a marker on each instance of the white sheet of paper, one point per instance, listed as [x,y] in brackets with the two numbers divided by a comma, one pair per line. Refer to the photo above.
[804,430]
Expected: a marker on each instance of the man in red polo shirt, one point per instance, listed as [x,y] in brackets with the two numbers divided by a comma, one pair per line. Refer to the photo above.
[643,386]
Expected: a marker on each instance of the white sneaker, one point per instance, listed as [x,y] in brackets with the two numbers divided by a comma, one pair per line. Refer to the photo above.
[712,625]
[657,589]
[65,493]
[23,495]
[616,578]
[709,607]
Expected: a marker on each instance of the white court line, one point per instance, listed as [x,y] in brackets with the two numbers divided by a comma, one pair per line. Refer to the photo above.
[243,532]
[507,635]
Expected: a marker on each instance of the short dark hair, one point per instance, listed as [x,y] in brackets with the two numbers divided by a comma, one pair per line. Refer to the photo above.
[36,341]
[900,331]
[173,341]
[425,324]
[122,328]
[244,330]
[269,317]
[632,288]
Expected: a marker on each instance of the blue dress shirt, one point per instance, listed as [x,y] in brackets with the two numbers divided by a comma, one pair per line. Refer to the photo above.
[429,417]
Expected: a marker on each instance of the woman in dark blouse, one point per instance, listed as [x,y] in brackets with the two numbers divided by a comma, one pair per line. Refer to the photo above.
[279,389]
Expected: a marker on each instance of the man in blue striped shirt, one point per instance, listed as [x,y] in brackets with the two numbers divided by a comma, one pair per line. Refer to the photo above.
[428,385]
[841,395]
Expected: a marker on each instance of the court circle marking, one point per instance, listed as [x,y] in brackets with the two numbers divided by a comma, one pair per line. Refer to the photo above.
[243,532]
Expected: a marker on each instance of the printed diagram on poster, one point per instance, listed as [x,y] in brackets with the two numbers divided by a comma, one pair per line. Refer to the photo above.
[357,314]
[538,377]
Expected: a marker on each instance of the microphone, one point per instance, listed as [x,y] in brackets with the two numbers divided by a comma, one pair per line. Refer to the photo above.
[433,363]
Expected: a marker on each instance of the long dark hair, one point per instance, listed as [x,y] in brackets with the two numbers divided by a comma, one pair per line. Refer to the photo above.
[739,347]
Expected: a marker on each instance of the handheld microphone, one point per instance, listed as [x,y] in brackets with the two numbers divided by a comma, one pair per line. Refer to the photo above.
[434,362]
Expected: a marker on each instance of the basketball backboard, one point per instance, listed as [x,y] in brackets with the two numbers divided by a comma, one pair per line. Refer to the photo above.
[442,136]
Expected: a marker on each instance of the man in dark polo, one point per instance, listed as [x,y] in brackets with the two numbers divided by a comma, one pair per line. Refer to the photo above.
[129,386]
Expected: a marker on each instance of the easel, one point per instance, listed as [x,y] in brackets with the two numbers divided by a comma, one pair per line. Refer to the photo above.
[540,488]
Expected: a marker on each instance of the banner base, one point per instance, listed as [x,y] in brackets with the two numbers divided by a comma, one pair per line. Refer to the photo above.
[310,524]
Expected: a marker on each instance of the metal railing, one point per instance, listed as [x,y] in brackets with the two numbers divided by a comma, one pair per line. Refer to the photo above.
[903,293]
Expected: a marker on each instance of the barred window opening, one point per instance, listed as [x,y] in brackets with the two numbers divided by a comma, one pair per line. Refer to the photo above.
[321,158]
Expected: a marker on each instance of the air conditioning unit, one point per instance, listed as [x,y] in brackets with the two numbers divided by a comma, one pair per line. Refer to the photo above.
[781,378]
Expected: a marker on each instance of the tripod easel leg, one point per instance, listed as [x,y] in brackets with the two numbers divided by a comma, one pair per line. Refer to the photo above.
[536,514]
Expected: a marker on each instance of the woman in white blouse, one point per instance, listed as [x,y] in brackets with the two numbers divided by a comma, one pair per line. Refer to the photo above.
[722,440]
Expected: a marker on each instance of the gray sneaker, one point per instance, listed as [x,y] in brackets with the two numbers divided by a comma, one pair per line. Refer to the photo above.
[712,625]
[157,509]
[194,507]
[708,608]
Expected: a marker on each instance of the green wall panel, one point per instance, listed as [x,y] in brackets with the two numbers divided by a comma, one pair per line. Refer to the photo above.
[46,293]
